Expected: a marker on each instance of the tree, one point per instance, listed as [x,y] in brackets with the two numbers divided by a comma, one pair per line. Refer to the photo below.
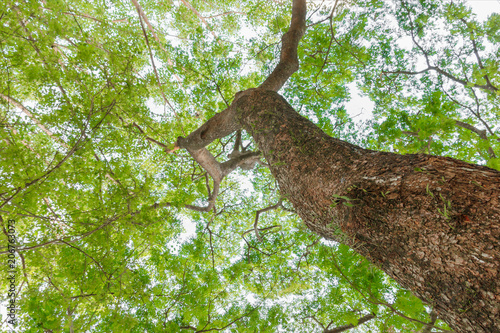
[99,209]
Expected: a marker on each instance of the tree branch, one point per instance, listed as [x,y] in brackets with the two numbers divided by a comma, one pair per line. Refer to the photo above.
[219,170]
[225,123]
[446,74]
[202,18]
[150,26]
[487,87]
[164,146]
[155,35]
[481,133]
[224,14]
[344,328]
[289,61]
[476,53]
[428,327]
[139,11]
[36,121]
[219,126]
[255,224]
[316,320]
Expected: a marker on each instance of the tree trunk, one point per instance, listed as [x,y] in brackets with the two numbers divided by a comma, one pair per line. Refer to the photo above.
[432,223]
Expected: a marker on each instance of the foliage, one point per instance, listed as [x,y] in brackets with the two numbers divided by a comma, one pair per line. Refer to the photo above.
[105,241]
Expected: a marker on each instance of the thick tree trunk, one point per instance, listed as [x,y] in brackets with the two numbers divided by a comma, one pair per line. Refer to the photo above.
[432,223]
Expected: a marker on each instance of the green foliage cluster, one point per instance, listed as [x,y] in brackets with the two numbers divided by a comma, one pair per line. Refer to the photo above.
[104,240]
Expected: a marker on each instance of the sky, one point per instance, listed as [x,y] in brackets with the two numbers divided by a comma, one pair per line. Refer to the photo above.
[484,8]
[360,107]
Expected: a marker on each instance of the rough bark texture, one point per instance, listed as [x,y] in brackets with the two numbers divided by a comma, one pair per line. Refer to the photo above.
[223,123]
[289,61]
[432,223]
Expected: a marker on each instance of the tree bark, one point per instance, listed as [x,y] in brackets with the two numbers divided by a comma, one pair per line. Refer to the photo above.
[432,223]
[344,328]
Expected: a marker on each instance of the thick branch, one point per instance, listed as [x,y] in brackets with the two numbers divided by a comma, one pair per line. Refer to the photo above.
[219,126]
[225,123]
[208,162]
[219,170]
[481,133]
[245,160]
[289,61]
[237,145]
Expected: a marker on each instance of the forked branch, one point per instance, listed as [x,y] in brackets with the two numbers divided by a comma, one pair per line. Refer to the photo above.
[218,170]
[256,223]
[225,122]
[487,87]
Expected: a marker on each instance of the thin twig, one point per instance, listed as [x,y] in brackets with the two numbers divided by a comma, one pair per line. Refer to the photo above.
[255,224]
[152,60]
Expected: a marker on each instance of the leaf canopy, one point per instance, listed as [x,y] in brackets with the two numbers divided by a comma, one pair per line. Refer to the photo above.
[94,92]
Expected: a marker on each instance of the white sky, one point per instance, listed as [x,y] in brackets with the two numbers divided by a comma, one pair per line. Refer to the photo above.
[360,107]
[484,8]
